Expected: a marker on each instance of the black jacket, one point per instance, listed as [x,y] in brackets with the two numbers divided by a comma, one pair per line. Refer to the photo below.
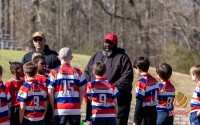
[119,69]
[51,58]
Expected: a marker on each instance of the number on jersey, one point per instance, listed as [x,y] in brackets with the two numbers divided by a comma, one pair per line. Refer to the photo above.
[36,102]
[169,102]
[68,84]
[102,99]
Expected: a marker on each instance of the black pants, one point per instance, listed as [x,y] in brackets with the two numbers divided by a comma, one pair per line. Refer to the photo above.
[124,105]
[14,116]
[48,116]
[88,111]
[148,116]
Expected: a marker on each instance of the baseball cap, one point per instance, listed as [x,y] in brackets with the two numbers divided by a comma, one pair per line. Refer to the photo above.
[39,34]
[112,37]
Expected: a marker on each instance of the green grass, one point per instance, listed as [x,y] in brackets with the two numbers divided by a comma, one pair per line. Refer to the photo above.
[78,61]
[5,57]
[182,82]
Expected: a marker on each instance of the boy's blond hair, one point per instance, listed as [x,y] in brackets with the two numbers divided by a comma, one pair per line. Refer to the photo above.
[30,69]
[65,53]
[195,70]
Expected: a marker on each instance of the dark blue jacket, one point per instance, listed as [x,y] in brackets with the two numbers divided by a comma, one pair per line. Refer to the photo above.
[50,57]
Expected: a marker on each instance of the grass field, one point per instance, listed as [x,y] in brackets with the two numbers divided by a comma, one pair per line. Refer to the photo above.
[78,61]
[182,82]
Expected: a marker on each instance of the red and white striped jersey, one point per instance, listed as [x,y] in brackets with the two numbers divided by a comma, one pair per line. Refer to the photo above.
[13,86]
[33,94]
[147,90]
[5,100]
[195,100]
[42,79]
[102,94]
[65,82]
[166,96]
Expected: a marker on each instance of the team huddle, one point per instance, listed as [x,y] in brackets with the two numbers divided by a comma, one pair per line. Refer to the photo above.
[47,90]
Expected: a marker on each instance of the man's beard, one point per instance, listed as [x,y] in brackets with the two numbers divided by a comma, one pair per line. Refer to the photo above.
[107,53]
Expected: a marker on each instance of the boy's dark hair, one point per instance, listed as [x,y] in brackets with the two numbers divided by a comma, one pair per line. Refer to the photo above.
[14,66]
[142,63]
[30,69]
[1,69]
[36,59]
[99,68]
[164,70]
[37,53]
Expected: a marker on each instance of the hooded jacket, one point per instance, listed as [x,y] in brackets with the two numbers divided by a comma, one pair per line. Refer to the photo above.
[51,58]
[118,69]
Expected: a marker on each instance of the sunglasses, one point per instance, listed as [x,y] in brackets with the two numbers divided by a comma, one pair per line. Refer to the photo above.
[38,39]
[109,42]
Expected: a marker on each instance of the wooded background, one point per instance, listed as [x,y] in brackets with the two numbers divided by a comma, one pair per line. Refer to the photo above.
[163,30]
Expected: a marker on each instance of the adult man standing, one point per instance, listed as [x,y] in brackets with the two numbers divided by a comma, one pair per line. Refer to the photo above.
[39,42]
[119,71]
[51,59]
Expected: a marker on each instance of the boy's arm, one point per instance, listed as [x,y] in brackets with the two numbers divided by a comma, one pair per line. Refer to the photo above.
[45,106]
[51,97]
[137,110]
[21,111]
[116,105]
[81,93]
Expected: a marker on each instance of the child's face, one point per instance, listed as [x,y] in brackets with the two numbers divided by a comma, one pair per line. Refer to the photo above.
[41,66]
[158,76]
[194,77]
[20,72]
[137,71]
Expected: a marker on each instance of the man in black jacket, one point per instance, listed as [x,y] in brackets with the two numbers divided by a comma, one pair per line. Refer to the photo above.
[52,61]
[39,42]
[119,71]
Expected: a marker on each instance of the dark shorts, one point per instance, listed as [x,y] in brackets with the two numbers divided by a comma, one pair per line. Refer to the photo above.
[71,119]
[163,118]
[27,122]
[49,115]
[14,115]
[104,121]
[194,119]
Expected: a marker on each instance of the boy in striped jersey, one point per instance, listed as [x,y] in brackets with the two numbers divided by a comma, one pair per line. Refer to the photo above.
[13,86]
[166,95]
[39,61]
[103,94]
[65,87]
[195,100]
[146,94]
[33,98]
[5,102]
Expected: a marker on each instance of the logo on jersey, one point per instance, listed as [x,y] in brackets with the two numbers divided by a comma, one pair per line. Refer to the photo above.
[100,86]
[22,94]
